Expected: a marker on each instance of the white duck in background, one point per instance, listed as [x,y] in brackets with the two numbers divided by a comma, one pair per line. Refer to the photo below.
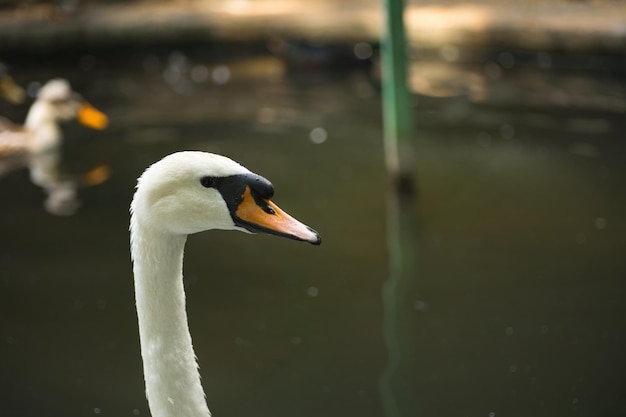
[185,193]
[38,143]
[55,103]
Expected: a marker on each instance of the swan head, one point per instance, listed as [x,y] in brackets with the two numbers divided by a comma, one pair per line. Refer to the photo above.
[189,192]
[56,102]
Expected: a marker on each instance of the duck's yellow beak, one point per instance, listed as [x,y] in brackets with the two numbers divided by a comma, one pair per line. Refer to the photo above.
[262,215]
[92,117]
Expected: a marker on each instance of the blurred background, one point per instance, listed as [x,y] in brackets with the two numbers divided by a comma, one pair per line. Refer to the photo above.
[516,306]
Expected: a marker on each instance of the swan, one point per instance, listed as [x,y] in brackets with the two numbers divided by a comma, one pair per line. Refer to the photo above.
[184,193]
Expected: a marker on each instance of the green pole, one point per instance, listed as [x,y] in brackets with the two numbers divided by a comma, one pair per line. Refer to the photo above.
[402,224]
[397,106]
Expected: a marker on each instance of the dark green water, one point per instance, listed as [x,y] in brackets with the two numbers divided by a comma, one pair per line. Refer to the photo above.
[516,308]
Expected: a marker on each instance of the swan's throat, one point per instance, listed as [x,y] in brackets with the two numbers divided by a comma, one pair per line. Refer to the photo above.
[171,374]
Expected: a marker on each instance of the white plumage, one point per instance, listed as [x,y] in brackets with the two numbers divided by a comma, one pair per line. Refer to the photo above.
[172,201]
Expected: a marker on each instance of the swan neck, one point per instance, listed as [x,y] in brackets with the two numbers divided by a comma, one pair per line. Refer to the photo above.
[170,370]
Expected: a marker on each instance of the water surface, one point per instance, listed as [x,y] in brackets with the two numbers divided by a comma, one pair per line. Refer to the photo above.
[516,308]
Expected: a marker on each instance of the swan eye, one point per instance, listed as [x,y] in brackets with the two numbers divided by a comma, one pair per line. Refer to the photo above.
[207,182]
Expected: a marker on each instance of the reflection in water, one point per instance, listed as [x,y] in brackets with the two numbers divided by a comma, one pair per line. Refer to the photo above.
[62,197]
[402,246]
[44,172]
[37,144]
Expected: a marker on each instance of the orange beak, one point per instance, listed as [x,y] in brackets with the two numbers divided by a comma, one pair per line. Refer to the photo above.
[96,176]
[92,117]
[263,215]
